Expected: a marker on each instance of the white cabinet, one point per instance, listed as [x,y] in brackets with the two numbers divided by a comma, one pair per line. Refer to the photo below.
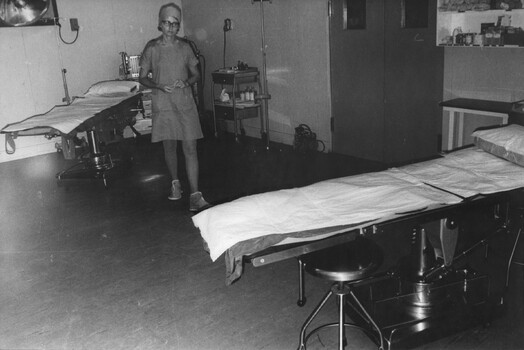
[475,28]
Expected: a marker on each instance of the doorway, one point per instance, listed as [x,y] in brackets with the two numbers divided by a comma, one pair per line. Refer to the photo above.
[386,79]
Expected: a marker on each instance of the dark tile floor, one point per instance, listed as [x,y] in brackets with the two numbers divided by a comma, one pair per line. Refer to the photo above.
[84,267]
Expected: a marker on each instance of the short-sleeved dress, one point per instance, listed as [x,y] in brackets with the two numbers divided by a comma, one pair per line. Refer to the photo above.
[174,115]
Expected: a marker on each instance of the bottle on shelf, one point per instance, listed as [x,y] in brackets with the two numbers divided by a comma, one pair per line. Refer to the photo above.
[455,34]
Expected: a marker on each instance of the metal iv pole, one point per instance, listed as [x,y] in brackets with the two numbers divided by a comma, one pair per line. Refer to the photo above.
[264,96]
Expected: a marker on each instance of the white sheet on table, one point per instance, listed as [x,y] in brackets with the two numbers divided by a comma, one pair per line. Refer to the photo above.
[342,201]
[66,118]
[356,199]
[468,172]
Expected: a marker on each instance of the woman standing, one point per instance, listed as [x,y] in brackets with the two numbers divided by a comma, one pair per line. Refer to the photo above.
[169,67]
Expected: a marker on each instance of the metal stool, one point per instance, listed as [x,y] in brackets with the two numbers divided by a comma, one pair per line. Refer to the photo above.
[346,265]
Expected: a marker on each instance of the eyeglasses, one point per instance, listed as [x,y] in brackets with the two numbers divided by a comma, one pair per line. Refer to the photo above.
[168,24]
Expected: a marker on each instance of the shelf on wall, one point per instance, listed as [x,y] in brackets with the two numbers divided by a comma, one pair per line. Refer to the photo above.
[473,35]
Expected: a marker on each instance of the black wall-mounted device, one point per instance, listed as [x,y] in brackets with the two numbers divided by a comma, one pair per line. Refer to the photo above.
[227,25]
[74,24]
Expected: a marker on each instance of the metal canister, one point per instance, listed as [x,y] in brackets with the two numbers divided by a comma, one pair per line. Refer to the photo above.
[468,39]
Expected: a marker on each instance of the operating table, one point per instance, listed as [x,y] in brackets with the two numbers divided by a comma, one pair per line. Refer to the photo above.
[431,218]
[102,113]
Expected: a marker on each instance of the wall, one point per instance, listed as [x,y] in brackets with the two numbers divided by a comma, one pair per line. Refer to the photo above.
[297,60]
[296,51]
[483,73]
[32,59]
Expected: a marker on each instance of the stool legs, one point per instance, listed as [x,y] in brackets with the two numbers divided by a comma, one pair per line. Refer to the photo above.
[341,290]
[369,318]
[303,337]
[341,329]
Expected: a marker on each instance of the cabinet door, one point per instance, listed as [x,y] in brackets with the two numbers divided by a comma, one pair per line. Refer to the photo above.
[357,78]
[413,82]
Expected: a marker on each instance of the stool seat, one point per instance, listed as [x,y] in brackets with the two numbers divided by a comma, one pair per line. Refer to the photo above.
[347,262]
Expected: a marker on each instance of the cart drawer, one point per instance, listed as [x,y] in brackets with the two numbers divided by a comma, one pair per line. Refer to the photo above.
[225,112]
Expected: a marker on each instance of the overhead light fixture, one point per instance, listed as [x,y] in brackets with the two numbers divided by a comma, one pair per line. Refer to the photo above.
[19,13]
